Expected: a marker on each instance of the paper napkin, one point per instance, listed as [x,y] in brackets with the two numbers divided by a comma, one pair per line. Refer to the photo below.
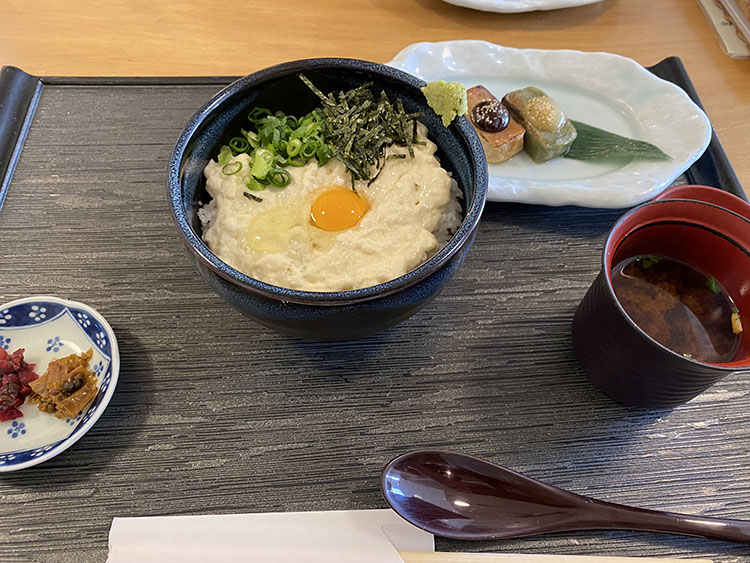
[349,536]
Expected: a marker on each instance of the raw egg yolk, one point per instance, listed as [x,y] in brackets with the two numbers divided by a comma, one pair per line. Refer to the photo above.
[338,209]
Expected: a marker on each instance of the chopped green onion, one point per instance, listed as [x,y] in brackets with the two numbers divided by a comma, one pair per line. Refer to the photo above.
[713,285]
[293,147]
[252,138]
[308,149]
[258,113]
[231,168]
[279,177]
[323,154]
[225,155]
[648,261]
[253,184]
[354,126]
[239,144]
[262,160]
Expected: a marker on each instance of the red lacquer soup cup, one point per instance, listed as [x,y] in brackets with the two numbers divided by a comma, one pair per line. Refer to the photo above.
[617,354]
[709,195]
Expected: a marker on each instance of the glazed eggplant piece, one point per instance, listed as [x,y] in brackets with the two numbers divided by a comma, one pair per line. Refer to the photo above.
[549,133]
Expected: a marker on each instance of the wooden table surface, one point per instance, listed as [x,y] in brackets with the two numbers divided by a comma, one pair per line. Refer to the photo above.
[140,38]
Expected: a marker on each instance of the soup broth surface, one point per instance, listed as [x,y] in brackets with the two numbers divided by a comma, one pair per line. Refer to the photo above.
[678,306]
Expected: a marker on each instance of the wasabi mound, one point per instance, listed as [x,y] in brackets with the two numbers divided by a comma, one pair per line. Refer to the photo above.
[447,99]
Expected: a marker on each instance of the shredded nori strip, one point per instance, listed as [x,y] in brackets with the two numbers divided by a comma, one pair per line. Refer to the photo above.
[248,195]
[360,127]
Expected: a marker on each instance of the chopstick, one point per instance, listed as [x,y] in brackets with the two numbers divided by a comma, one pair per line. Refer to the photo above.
[446,557]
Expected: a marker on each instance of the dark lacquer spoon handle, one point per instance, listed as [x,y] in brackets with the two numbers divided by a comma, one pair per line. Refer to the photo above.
[463,497]
[611,516]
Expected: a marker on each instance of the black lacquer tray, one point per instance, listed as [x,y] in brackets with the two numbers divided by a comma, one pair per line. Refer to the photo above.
[214,414]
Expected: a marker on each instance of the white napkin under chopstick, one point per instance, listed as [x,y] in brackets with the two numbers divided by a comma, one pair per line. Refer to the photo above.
[349,536]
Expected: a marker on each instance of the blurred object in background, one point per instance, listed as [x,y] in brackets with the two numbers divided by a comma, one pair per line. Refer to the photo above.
[729,19]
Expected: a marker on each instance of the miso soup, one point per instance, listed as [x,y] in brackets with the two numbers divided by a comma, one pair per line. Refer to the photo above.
[678,306]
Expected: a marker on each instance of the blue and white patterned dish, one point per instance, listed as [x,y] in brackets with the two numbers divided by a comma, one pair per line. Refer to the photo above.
[46,328]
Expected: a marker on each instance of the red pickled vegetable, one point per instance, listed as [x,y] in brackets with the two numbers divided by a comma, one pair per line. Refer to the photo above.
[15,376]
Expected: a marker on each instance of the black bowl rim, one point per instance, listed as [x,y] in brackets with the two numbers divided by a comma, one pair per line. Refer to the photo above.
[204,254]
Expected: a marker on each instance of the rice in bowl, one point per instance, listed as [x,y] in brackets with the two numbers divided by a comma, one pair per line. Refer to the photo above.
[412,210]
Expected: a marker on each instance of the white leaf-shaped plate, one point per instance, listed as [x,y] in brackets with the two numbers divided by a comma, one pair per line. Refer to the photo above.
[514,6]
[608,91]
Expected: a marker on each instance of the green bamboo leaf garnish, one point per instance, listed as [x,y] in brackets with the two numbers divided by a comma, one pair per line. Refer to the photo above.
[360,127]
[593,143]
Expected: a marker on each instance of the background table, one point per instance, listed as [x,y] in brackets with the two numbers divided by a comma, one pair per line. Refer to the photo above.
[140,38]
[214,414]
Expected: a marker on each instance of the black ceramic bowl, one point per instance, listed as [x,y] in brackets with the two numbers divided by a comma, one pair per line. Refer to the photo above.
[317,315]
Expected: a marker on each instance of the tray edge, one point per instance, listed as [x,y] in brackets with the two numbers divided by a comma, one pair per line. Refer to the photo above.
[21,92]
[19,96]
[713,167]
